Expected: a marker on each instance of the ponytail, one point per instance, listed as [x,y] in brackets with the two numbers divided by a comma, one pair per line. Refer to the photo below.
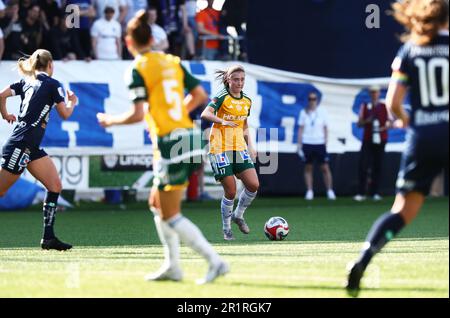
[38,61]
[421,18]
[139,29]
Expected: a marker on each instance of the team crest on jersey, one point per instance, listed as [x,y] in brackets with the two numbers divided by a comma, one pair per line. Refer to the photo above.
[24,160]
[245,155]
[222,160]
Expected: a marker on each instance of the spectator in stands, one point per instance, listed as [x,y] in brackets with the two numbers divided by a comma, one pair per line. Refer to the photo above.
[208,24]
[65,43]
[312,141]
[120,9]
[50,12]
[234,14]
[87,14]
[25,36]
[133,6]
[160,42]
[172,17]
[2,9]
[191,34]
[9,21]
[24,5]
[106,37]
[373,117]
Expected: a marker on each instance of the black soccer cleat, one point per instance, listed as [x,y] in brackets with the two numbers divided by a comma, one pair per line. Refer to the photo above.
[355,273]
[55,244]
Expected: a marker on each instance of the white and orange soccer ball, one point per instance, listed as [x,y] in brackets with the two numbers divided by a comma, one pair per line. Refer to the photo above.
[276,228]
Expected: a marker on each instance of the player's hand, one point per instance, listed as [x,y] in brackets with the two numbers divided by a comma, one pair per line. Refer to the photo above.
[253,153]
[10,118]
[400,124]
[229,123]
[72,97]
[104,120]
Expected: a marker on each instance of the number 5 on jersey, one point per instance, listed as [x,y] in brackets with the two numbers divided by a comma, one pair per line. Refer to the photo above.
[173,98]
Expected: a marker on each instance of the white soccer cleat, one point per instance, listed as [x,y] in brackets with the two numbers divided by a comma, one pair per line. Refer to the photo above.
[214,271]
[331,195]
[164,273]
[309,195]
[359,197]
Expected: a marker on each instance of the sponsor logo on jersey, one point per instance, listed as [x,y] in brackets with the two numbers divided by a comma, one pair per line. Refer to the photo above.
[222,160]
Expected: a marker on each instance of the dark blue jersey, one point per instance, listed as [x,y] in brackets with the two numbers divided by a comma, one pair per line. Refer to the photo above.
[38,98]
[425,70]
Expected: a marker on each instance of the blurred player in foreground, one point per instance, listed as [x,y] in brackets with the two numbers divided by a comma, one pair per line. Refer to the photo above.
[157,81]
[422,66]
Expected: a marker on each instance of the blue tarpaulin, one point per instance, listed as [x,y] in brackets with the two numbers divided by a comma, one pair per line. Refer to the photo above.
[20,195]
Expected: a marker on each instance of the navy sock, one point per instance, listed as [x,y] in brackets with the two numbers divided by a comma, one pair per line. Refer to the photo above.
[382,231]
[50,214]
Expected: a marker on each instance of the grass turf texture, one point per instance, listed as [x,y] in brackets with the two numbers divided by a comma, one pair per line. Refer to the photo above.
[116,247]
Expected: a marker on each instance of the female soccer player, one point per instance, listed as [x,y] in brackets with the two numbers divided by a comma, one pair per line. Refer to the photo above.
[157,81]
[39,92]
[422,66]
[231,151]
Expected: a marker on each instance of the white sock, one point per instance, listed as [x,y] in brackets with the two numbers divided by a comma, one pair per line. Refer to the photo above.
[190,235]
[226,208]
[170,241]
[245,199]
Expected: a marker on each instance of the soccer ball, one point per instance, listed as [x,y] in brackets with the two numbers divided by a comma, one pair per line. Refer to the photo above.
[276,228]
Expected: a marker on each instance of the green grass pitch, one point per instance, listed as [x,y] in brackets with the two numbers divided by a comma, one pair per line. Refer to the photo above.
[115,247]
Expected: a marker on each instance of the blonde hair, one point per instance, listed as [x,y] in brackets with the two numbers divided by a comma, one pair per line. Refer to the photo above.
[38,61]
[421,18]
[224,75]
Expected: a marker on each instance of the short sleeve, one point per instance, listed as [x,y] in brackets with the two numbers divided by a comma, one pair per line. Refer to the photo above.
[216,102]
[17,87]
[301,118]
[136,86]
[190,82]
[95,29]
[400,66]
[57,93]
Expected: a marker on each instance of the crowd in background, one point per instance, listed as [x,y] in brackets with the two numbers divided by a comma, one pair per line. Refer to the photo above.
[178,27]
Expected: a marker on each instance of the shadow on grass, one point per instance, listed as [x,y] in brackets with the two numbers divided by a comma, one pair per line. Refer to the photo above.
[335,287]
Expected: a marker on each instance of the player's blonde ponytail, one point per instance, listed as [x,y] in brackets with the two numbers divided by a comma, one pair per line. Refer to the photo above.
[421,18]
[38,61]
[224,75]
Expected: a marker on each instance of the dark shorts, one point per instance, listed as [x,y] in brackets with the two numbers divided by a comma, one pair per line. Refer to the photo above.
[230,163]
[16,156]
[421,163]
[315,153]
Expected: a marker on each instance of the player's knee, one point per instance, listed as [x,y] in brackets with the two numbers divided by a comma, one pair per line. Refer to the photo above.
[253,187]
[2,193]
[230,194]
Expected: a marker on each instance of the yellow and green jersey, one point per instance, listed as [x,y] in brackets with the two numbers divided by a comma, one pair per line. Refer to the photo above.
[160,79]
[229,108]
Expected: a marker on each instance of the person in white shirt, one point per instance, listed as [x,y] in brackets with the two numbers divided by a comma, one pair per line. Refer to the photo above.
[312,140]
[106,37]
[160,41]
